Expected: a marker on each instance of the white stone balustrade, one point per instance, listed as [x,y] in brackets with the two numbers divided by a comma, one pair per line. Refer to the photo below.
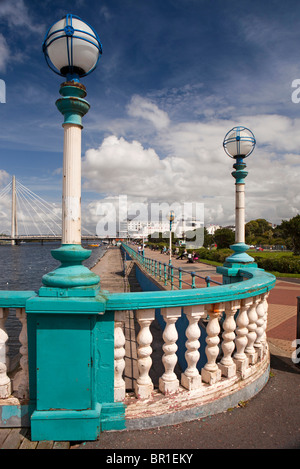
[235,345]
[235,342]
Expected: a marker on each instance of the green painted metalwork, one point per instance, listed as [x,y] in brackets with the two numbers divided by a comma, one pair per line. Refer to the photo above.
[257,282]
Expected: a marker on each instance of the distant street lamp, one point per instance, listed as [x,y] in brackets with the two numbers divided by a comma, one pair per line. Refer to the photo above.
[72,50]
[239,143]
[171,218]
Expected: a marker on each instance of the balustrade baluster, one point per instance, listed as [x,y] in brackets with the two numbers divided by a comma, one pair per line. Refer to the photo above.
[227,365]
[241,341]
[252,327]
[119,354]
[143,384]
[211,372]
[265,318]
[168,382]
[260,311]
[191,378]
[5,383]
[21,380]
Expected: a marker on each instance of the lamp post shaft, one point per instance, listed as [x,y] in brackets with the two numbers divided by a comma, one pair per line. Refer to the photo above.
[71,196]
[240,213]
[170,245]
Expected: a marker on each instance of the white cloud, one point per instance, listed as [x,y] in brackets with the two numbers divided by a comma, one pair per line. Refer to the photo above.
[4,53]
[186,163]
[16,15]
[140,107]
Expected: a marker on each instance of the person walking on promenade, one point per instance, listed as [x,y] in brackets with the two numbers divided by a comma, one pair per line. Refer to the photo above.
[182,255]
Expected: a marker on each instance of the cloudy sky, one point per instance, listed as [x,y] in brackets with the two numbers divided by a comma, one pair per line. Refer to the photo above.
[174,77]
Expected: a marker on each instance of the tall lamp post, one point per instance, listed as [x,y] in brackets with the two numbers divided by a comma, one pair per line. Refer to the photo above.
[65,318]
[238,144]
[171,218]
[72,49]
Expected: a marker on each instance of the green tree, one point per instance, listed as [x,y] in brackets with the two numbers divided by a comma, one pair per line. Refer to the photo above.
[291,229]
[208,239]
[224,237]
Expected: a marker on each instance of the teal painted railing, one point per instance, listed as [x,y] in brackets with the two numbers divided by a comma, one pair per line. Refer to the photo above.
[175,277]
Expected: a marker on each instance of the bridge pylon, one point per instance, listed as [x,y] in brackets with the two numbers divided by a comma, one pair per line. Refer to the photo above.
[14,223]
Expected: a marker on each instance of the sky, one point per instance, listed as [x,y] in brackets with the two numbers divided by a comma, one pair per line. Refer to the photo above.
[174,77]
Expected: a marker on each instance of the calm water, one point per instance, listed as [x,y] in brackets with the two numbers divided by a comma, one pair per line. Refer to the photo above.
[22,268]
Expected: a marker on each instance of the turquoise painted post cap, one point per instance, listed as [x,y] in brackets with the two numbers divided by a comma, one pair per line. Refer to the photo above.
[71,273]
[72,105]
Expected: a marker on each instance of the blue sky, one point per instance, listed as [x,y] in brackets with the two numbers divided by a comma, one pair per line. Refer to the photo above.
[174,77]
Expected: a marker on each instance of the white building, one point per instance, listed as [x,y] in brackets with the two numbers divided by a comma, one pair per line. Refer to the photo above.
[212,228]
[138,229]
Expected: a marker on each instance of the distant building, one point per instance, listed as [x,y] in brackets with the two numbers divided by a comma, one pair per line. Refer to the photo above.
[212,228]
[138,229]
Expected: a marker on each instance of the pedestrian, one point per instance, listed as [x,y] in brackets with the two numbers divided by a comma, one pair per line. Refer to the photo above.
[190,258]
[182,255]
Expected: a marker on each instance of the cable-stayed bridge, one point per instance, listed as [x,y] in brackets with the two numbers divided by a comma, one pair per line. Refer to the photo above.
[25,216]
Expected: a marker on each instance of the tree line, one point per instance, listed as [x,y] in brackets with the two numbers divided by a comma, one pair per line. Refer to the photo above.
[260,232]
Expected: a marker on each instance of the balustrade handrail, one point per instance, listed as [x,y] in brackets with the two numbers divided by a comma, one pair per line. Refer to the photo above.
[257,282]
[15,299]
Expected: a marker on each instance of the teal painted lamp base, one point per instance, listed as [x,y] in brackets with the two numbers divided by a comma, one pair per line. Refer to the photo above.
[71,274]
[240,255]
[235,262]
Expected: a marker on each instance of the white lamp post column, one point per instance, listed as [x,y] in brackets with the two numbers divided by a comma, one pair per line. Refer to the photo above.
[71,196]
